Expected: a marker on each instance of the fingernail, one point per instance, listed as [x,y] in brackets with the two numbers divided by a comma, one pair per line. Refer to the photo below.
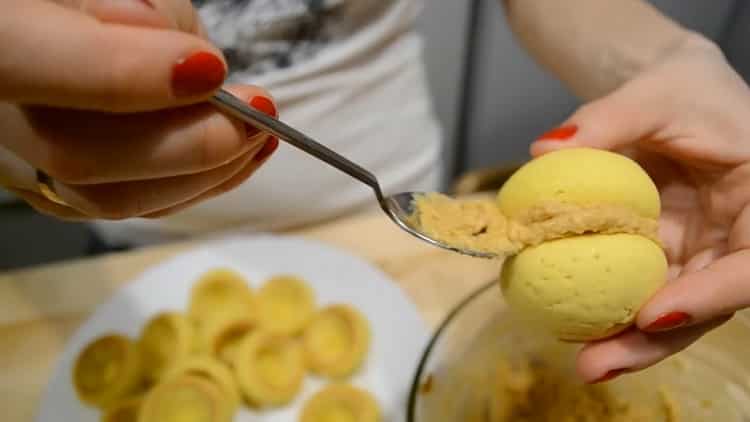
[268,148]
[668,321]
[263,104]
[610,375]
[197,74]
[559,134]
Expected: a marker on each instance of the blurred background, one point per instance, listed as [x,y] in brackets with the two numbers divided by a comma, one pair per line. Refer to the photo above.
[490,97]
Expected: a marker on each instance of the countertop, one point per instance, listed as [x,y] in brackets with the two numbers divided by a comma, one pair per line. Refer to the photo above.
[41,307]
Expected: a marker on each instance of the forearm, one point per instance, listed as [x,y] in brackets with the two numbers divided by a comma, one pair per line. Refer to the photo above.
[593,46]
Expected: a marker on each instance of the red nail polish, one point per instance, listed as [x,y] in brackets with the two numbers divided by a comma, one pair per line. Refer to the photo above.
[668,321]
[610,375]
[559,134]
[197,74]
[268,148]
[262,104]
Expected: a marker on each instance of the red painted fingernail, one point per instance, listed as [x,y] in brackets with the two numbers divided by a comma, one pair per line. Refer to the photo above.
[200,73]
[265,105]
[668,321]
[610,375]
[559,134]
[268,148]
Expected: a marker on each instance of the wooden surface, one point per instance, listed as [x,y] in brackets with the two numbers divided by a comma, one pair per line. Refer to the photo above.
[41,307]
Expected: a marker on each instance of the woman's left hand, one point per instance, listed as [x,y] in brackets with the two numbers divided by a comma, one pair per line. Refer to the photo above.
[686,119]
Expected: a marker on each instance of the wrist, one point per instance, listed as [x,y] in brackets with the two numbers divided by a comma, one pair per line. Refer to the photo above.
[695,41]
[623,61]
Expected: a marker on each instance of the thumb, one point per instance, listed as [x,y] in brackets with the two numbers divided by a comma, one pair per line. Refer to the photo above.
[616,121]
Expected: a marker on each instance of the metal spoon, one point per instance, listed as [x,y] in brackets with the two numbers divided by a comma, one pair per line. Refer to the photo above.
[399,207]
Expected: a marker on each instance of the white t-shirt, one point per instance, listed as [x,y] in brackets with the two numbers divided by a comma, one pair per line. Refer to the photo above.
[350,74]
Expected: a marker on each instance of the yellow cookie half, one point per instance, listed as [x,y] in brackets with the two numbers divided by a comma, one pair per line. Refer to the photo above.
[580,176]
[586,287]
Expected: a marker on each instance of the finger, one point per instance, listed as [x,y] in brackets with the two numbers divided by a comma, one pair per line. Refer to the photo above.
[127,12]
[44,206]
[117,201]
[227,186]
[635,350]
[80,62]
[200,27]
[702,293]
[15,172]
[169,14]
[612,122]
[77,147]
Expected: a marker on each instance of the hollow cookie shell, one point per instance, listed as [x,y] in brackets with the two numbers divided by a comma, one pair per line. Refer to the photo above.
[219,291]
[125,410]
[209,369]
[108,369]
[336,341]
[222,336]
[186,398]
[269,368]
[166,339]
[341,402]
[286,305]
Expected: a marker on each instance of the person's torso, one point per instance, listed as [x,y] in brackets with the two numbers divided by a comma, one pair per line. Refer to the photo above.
[348,73]
[264,37]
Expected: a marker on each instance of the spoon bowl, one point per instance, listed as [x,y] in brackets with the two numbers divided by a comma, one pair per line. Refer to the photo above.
[399,207]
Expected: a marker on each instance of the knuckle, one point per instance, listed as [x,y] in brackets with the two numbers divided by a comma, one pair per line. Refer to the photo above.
[187,16]
[588,110]
[118,77]
[217,143]
[120,81]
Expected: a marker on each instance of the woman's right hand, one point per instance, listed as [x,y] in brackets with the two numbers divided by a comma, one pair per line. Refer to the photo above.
[108,98]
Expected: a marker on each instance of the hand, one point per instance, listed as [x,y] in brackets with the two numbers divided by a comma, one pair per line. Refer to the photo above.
[108,98]
[686,119]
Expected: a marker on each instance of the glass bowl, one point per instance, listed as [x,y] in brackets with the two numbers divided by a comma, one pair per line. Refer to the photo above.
[457,377]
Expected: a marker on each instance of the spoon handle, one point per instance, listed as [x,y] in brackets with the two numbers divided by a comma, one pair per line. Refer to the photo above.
[237,108]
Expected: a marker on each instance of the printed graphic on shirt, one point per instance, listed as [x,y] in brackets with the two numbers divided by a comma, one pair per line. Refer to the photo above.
[258,36]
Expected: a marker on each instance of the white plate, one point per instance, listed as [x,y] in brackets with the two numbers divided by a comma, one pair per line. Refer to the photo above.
[399,334]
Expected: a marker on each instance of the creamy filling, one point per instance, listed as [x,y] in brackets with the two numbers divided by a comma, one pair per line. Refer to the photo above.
[478,224]
[538,392]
